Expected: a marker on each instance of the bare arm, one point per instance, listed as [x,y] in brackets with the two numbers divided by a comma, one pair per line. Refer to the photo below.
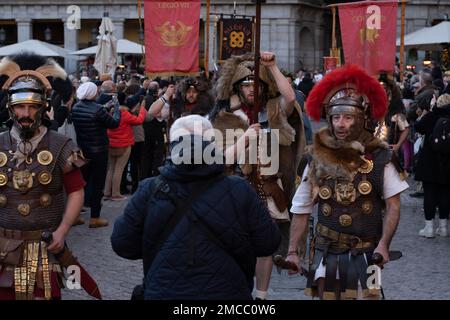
[298,226]
[74,203]
[285,88]
[401,139]
[158,105]
[390,223]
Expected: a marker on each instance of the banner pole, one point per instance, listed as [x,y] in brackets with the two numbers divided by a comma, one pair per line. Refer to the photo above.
[208,8]
[256,105]
[142,42]
[402,41]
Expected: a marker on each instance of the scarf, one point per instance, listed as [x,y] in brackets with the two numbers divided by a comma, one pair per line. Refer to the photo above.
[25,148]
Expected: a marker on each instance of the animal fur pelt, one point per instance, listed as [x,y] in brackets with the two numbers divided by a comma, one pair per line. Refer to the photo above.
[49,68]
[239,67]
[337,158]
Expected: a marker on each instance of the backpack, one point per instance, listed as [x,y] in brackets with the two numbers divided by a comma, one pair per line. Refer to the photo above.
[440,136]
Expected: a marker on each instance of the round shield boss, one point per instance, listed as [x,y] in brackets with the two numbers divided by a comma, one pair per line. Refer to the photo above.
[45,177]
[3,159]
[325,192]
[345,220]
[45,200]
[3,179]
[367,207]
[326,210]
[45,157]
[24,209]
[365,187]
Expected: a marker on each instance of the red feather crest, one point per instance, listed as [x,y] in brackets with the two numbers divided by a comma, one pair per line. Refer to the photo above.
[351,74]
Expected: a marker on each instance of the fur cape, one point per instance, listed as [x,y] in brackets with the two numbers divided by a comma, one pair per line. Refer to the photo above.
[337,158]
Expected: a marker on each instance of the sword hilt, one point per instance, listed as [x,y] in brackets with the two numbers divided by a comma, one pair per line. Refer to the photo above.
[377,258]
[47,237]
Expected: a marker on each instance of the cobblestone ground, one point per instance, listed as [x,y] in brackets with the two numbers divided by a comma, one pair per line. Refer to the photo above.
[422,273]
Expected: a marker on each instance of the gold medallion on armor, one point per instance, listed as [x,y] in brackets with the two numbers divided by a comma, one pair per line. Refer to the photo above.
[345,193]
[365,187]
[22,180]
[45,200]
[367,207]
[326,210]
[3,200]
[3,159]
[45,157]
[366,167]
[24,209]
[345,220]
[3,179]
[325,192]
[44,177]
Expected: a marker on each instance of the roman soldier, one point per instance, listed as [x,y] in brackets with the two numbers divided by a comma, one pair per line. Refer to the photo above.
[354,178]
[235,109]
[41,187]
[192,97]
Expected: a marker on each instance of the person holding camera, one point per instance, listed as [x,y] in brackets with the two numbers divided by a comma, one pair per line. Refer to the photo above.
[91,120]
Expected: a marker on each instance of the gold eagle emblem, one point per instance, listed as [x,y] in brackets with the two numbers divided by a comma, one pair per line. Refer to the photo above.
[369,35]
[173,35]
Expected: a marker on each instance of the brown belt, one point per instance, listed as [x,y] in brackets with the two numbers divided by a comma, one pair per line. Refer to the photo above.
[21,235]
[344,239]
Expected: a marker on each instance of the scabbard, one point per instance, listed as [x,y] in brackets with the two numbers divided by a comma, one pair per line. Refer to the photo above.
[66,259]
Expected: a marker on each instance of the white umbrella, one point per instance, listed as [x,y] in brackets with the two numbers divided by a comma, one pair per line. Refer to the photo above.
[124,46]
[429,38]
[36,46]
[106,55]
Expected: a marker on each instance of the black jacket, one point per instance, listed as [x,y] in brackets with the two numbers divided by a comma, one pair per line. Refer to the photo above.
[235,214]
[432,167]
[91,121]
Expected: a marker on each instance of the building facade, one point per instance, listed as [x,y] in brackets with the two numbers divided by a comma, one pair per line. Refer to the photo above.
[299,31]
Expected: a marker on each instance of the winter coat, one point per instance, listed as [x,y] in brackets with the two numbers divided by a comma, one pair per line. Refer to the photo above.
[123,136]
[91,121]
[234,213]
[432,167]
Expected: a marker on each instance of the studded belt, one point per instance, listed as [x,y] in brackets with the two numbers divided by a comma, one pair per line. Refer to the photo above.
[21,235]
[343,240]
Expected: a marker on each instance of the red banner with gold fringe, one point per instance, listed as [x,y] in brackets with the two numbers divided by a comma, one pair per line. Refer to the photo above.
[172,37]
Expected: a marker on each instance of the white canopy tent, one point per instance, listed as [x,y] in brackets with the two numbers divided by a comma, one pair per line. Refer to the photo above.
[124,46]
[429,38]
[36,46]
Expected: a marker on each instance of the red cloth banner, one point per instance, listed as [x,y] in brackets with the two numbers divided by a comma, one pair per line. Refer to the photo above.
[172,37]
[329,63]
[368,30]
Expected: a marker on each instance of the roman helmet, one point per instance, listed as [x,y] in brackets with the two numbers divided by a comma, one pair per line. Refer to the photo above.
[28,78]
[349,90]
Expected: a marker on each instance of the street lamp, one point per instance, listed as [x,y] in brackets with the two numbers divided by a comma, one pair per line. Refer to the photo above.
[47,34]
[2,36]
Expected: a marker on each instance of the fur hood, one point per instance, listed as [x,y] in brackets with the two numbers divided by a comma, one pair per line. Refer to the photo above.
[237,68]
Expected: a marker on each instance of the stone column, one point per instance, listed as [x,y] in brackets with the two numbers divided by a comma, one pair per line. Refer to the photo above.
[118,25]
[71,44]
[24,31]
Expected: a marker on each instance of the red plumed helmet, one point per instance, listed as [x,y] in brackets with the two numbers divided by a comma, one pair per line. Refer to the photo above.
[349,80]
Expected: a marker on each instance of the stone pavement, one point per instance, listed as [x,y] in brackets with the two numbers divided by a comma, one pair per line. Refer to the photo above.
[422,273]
